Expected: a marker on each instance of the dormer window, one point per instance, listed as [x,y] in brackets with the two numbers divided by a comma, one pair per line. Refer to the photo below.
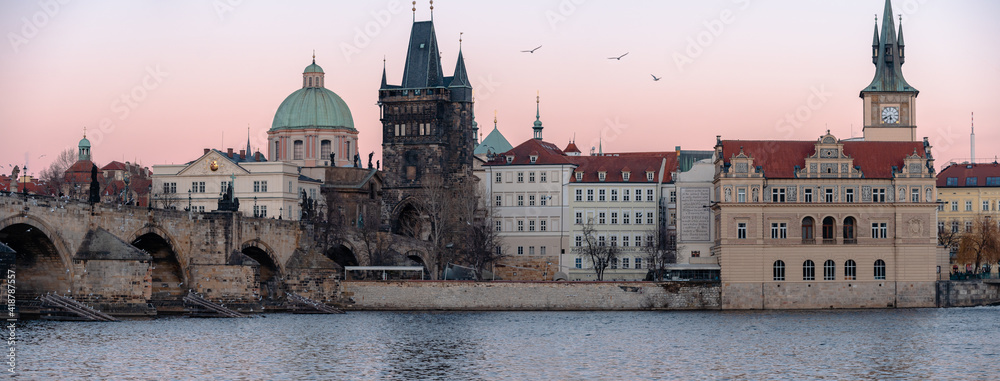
[602,175]
[625,176]
[579,176]
[510,158]
[649,175]
[533,158]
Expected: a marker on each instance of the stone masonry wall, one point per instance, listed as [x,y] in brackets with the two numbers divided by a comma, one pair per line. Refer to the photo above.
[567,296]
[820,295]
[967,293]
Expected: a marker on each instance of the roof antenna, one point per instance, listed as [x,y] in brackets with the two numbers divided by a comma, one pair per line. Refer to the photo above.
[432,10]
[414,11]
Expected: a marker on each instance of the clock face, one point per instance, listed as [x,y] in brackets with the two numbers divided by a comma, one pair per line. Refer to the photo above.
[890,115]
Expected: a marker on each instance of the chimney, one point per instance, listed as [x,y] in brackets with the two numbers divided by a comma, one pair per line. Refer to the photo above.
[243,154]
[206,151]
[230,151]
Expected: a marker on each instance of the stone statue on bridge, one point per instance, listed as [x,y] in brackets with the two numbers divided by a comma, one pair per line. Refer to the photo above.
[228,203]
[95,186]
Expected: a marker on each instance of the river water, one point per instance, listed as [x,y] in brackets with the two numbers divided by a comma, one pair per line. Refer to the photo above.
[958,343]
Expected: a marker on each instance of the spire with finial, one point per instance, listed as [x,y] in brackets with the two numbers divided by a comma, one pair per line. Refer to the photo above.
[314,56]
[899,41]
[538,121]
[432,10]
[414,11]
[84,147]
[888,58]
[475,126]
[875,42]
[248,139]
[384,83]
[972,140]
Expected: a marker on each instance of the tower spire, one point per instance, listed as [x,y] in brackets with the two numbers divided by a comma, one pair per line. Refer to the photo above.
[414,11]
[384,84]
[248,139]
[972,140]
[432,10]
[538,121]
[875,42]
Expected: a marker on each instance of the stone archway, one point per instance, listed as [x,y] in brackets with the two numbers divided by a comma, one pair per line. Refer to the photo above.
[168,282]
[343,255]
[269,277]
[409,222]
[40,265]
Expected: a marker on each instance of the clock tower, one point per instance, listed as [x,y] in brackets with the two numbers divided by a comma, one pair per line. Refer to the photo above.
[889,102]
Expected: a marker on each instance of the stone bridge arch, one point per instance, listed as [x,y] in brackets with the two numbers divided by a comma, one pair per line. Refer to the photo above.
[170,271]
[47,277]
[408,220]
[271,270]
[343,254]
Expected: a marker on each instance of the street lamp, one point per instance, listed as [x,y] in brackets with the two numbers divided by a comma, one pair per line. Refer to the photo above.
[280,212]
[189,200]
[255,214]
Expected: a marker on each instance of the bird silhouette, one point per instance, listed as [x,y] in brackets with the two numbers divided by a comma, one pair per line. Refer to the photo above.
[655,78]
[532,50]
[619,57]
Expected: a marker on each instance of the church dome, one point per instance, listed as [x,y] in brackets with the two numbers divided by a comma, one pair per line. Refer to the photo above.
[313,106]
[84,143]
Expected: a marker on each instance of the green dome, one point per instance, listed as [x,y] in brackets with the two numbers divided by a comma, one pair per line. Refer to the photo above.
[314,68]
[84,143]
[313,107]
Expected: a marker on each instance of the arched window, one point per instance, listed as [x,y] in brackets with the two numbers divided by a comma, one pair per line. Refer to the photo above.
[808,236]
[808,270]
[849,230]
[829,270]
[310,82]
[324,149]
[277,150]
[850,270]
[879,269]
[779,270]
[828,229]
[297,150]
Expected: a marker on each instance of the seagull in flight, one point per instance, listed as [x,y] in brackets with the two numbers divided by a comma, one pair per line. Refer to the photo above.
[619,57]
[655,78]
[532,50]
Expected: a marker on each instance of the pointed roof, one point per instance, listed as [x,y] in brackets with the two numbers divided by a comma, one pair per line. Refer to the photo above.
[495,142]
[571,148]
[423,62]
[461,77]
[889,60]
[384,84]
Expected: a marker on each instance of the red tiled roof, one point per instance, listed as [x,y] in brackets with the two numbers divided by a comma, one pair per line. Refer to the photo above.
[548,154]
[962,171]
[778,158]
[114,166]
[637,165]
[571,148]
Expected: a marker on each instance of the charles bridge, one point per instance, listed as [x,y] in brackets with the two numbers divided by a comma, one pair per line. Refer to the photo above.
[130,260]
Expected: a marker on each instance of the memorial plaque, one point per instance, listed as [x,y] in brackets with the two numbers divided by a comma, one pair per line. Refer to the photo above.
[695,215]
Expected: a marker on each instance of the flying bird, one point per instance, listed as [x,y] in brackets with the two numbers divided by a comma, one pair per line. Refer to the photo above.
[655,78]
[532,50]
[619,57]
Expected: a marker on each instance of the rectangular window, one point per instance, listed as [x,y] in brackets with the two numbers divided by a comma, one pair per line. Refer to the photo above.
[198,187]
[297,150]
[649,176]
[520,226]
[499,178]
[614,240]
[649,218]
[968,206]
[649,195]
[625,238]
[578,263]
[879,230]
[600,241]
[541,250]
[741,230]
[614,263]
[625,263]
[531,225]
[590,195]
[849,195]
[971,181]
[828,194]
[625,195]
[578,241]
[579,217]
[600,218]
[520,177]
[625,218]
[968,226]
[169,187]
[779,230]
[614,195]
[520,200]
[543,200]
[542,177]
[878,195]
[531,250]
[673,197]
[695,253]
[638,195]
[638,263]
[986,206]
[807,195]
[638,218]
[600,195]
[741,195]
[520,250]
[499,226]
[954,206]
[992,181]
[952,182]
[579,194]
[499,200]
[614,218]
[638,241]
[542,226]
[914,194]
[531,200]
[531,177]
[777,194]
[625,176]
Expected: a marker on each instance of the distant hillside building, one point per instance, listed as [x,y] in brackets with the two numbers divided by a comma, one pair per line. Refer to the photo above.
[965,192]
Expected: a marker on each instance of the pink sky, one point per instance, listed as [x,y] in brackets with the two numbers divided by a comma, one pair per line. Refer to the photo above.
[223,67]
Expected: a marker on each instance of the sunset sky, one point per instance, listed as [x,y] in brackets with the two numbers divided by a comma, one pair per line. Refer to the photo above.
[158,81]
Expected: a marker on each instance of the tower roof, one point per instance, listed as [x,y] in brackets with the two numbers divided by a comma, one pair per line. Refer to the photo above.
[495,143]
[423,62]
[888,59]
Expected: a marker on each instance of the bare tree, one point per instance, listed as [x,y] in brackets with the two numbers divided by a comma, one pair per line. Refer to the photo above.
[948,238]
[55,175]
[483,247]
[598,252]
[982,244]
[661,251]
[438,205]
[377,245]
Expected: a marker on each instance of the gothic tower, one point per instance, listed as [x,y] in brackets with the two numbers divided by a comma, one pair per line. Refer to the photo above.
[889,102]
[427,121]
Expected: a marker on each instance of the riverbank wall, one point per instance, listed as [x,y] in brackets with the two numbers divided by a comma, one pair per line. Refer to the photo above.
[530,296]
[968,293]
